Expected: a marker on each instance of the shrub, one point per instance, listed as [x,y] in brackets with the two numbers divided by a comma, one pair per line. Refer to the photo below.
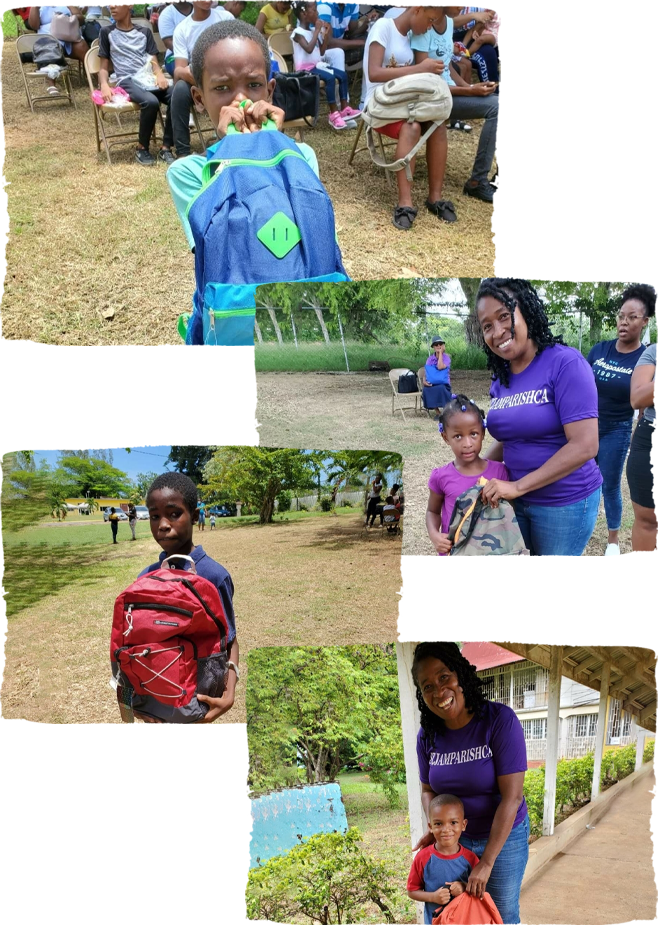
[303,507]
[384,758]
[326,504]
[326,879]
[347,503]
[649,750]
[284,500]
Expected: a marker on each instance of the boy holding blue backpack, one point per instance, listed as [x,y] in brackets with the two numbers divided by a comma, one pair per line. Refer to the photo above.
[270,220]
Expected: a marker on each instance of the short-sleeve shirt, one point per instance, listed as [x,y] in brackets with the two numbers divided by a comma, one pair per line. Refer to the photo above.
[467,762]
[302,59]
[528,416]
[188,31]
[648,358]
[338,19]
[438,46]
[612,373]
[213,572]
[450,483]
[127,50]
[274,21]
[46,14]
[185,178]
[430,871]
[168,19]
[397,50]
[433,374]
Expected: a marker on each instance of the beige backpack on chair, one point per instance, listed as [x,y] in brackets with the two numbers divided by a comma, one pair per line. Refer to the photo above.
[419,97]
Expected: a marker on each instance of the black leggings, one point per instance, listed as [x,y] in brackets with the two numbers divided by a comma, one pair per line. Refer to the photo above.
[149,103]
[375,507]
[638,467]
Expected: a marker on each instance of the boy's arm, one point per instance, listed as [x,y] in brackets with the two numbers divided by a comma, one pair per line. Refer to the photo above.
[441,897]
[184,179]
[104,79]
[161,80]
[220,705]
[182,71]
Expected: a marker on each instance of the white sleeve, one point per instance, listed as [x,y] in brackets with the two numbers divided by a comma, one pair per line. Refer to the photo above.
[180,41]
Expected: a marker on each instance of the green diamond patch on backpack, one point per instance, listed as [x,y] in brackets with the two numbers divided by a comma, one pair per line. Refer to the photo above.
[279,235]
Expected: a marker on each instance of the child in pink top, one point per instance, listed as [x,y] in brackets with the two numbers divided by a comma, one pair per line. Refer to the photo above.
[462,426]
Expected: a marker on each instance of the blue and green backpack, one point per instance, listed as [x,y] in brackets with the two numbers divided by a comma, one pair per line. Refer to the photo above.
[261,216]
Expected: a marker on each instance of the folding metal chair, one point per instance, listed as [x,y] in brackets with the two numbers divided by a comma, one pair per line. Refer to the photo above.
[24,50]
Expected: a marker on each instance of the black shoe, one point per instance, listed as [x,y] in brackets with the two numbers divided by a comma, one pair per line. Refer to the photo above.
[443,209]
[144,157]
[482,190]
[404,217]
[166,155]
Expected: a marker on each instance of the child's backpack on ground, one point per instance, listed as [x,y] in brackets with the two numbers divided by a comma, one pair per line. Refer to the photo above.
[477,529]
[261,216]
[168,644]
[466,909]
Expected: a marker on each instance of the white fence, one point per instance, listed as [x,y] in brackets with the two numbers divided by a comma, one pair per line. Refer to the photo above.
[355,498]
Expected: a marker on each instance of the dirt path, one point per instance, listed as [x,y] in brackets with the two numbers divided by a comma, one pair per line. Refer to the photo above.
[321,581]
[353,411]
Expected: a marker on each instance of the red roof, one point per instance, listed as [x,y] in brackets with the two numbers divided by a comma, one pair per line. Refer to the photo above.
[488,655]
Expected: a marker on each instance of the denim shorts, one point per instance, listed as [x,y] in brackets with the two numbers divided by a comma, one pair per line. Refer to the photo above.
[504,884]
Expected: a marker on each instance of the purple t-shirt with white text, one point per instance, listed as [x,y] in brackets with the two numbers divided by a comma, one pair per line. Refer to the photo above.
[467,762]
[529,415]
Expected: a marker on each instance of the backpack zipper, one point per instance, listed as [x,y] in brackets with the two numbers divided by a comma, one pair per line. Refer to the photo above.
[238,162]
[233,313]
[168,607]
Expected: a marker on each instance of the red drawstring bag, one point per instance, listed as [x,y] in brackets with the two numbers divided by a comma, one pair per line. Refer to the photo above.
[469,910]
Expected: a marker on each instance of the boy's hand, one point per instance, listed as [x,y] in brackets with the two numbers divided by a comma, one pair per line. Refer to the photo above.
[259,112]
[485,88]
[442,896]
[443,543]
[218,706]
[431,66]
[456,887]
[106,93]
[162,81]
[231,115]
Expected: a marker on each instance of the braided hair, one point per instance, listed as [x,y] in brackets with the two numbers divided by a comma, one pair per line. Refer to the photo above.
[459,404]
[644,294]
[524,297]
[471,685]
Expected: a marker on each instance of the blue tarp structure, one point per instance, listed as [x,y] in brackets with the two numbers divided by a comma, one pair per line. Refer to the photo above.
[283,818]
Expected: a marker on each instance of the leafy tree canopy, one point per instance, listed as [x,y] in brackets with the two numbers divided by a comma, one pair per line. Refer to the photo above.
[190,460]
[82,476]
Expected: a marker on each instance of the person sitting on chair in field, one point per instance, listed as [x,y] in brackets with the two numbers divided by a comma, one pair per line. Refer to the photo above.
[40,19]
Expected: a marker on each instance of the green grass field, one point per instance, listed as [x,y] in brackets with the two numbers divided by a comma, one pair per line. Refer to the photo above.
[321,357]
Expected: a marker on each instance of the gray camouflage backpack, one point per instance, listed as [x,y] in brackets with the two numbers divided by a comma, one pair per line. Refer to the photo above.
[477,529]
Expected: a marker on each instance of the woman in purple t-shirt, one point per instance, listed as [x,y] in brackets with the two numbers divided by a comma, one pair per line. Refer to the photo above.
[475,749]
[543,417]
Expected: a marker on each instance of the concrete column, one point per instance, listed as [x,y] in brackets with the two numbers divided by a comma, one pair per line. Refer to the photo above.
[639,747]
[552,738]
[410,727]
[238,505]
[601,730]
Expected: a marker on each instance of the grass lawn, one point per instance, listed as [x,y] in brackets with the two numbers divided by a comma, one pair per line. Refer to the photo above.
[88,240]
[328,411]
[385,831]
[311,579]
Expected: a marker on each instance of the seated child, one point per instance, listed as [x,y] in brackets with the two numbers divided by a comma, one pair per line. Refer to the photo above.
[275,17]
[462,426]
[387,519]
[123,47]
[309,47]
[388,54]
[172,504]
[230,63]
[440,871]
[482,33]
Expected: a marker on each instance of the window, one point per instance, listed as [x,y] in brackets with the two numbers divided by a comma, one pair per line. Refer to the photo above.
[585,725]
[534,729]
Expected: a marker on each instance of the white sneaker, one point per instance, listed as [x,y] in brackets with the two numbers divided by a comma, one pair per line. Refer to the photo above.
[612,549]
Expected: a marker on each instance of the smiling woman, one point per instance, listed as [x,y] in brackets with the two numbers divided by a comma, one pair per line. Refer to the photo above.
[543,417]
[475,750]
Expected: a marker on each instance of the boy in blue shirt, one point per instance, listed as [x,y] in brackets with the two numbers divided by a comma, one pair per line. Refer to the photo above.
[440,871]
[172,504]
[230,64]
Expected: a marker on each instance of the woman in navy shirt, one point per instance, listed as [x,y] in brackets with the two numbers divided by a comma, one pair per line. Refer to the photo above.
[613,362]
[475,749]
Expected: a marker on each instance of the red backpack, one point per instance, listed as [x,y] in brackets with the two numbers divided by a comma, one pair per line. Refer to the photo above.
[168,643]
[466,909]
